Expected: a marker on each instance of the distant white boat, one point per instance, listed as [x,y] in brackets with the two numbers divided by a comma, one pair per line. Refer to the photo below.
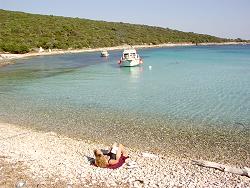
[130,58]
[104,53]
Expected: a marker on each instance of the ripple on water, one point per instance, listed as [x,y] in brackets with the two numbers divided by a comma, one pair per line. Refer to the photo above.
[171,137]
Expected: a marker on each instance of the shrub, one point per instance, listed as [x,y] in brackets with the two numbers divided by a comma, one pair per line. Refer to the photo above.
[15,48]
[20,32]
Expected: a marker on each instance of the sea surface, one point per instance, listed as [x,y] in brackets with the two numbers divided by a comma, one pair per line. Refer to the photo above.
[191,102]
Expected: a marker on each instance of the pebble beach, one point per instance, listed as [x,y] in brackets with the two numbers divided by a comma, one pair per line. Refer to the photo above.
[46,159]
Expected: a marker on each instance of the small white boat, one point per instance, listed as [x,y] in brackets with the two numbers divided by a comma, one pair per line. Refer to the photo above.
[104,53]
[130,58]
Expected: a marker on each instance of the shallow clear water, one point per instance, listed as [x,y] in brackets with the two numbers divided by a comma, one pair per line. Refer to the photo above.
[87,96]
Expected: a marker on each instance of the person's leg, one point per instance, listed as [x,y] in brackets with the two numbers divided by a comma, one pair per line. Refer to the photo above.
[121,151]
[124,152]
[111,147]
[114,145]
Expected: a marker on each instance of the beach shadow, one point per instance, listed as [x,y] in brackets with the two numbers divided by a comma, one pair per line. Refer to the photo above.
[91,160]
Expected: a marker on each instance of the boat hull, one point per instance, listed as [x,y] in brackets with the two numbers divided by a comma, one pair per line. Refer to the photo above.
[104,55]
[130,63]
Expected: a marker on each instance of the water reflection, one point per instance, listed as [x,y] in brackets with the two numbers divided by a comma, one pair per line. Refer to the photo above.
[134,72]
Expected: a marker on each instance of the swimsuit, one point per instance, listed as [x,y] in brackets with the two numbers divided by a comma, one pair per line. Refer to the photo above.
[119,164]
[112,156]
[112,153]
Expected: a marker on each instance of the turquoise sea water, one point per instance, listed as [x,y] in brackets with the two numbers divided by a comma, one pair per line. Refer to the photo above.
[201,91]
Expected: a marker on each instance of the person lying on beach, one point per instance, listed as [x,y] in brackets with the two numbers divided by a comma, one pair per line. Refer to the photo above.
[113,159]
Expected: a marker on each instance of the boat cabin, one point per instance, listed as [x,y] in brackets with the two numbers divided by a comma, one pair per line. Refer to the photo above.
[130,53]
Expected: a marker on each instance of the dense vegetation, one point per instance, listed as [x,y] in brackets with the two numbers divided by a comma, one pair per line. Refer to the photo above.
[21,32]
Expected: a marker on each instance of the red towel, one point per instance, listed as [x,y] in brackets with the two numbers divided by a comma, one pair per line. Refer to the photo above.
[119,164]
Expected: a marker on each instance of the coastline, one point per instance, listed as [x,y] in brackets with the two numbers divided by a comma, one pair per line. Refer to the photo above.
[8,58]
[48,159]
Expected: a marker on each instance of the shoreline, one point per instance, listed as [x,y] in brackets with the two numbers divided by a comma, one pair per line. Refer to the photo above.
[48,159]
[7,58]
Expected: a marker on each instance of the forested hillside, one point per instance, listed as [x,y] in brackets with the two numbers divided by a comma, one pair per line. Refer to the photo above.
[21,32]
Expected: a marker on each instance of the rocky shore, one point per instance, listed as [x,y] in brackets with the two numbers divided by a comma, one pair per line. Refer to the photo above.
[7,58]
[40,159]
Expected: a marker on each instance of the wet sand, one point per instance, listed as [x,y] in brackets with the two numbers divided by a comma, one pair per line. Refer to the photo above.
[172,138]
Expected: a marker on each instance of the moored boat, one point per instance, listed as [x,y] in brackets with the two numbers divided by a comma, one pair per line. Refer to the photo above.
[130,58]
[104,53]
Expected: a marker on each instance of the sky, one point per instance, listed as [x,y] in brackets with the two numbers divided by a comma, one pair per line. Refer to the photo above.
[222,18]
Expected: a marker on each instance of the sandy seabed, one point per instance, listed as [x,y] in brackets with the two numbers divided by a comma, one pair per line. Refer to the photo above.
[46,159]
